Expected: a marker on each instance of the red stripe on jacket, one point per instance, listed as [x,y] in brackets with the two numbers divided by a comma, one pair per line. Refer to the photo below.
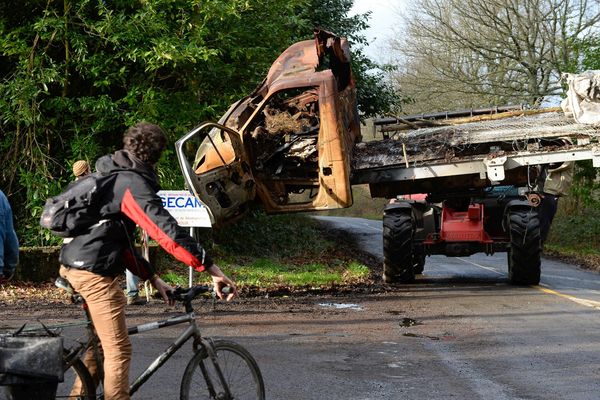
[132,209]
[135,266]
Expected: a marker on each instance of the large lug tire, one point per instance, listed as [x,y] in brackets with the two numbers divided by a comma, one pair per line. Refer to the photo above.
[398,262]
[418,262]
[524,264]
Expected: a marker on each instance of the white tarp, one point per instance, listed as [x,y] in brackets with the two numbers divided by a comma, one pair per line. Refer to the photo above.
[583,97]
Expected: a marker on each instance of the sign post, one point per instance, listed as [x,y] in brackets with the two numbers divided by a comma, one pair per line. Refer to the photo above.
[187,211]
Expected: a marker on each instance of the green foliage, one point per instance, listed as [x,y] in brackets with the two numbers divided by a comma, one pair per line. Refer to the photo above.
[270,252]
[265,273]
[376,95]
[276,236]
[576,228]
[357,269]
[586,187]
[175,278]
[590,53]
[75,74]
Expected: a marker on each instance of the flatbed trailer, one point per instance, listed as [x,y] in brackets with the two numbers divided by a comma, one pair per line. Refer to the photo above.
[466,153]
[294,145]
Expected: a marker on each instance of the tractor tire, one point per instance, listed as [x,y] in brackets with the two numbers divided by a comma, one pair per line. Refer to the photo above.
[418,262]
[398,263]
[525,248]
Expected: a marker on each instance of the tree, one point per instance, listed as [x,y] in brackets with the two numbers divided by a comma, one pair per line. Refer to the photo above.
[74,74]
[590,53]
[376,95]
[482,52]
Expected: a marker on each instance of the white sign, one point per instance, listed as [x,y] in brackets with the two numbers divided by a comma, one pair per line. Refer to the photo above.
[185,208]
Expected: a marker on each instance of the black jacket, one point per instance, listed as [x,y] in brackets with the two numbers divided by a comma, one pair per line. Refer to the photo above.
[108,248]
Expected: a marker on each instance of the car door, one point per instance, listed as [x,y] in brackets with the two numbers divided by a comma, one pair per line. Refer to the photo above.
[212,160]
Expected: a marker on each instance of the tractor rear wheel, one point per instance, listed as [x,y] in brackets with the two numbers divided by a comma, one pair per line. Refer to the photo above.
[524,252]
[398,263]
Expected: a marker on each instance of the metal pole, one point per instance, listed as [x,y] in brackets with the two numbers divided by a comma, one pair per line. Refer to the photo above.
[146,253]
[191,270]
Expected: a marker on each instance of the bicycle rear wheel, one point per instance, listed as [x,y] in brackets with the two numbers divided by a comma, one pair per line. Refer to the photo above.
[240,370]
[77,372]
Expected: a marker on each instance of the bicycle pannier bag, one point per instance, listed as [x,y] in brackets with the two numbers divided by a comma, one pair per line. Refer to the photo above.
[30,366]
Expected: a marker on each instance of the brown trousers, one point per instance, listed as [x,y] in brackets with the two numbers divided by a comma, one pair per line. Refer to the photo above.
[106,302]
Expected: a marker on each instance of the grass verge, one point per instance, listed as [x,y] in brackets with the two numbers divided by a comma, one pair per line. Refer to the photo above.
[283,253]
[575,236]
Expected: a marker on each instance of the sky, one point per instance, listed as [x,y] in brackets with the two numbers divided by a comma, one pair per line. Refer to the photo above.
[384,18]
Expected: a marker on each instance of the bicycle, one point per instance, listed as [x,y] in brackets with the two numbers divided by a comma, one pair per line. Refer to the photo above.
[218,370]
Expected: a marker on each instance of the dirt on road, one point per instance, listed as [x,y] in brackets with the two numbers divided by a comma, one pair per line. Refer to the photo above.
[21,302]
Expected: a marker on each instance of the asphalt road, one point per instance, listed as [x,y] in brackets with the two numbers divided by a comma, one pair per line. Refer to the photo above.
[460,332]
[490,340]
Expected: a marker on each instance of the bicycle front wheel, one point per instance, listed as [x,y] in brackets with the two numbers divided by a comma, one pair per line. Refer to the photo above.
[78,383]
[240,371]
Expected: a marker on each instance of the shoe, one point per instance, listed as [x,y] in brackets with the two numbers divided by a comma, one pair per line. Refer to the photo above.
[4,279]
[135,300]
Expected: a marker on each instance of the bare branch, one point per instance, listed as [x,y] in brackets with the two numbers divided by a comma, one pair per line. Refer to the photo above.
[502,50]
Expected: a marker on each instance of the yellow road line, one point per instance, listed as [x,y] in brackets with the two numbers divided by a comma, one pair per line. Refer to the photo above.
[583,302]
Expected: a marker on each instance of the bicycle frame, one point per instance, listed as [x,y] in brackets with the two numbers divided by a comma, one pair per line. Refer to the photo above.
[191,331]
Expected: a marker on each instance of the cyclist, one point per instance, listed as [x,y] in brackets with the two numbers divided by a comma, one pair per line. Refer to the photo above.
[92,261]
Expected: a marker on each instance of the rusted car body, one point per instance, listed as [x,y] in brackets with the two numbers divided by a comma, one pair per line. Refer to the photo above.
[288,144]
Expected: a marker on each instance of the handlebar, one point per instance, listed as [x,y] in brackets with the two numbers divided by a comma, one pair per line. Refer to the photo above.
[186,296]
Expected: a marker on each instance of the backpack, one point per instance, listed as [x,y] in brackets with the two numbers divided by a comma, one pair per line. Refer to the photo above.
[78,207]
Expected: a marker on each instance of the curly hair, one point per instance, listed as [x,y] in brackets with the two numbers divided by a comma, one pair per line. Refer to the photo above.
[146,141]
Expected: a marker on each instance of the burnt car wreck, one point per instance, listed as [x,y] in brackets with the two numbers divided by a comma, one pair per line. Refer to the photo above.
[288,143]
[294,144]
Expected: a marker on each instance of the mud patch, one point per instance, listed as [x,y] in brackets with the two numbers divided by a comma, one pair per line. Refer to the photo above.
[408,322]
[416,335]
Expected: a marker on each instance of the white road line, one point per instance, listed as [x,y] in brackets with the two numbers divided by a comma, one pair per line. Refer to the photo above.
[370,227]
[363,225]
[481,266]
